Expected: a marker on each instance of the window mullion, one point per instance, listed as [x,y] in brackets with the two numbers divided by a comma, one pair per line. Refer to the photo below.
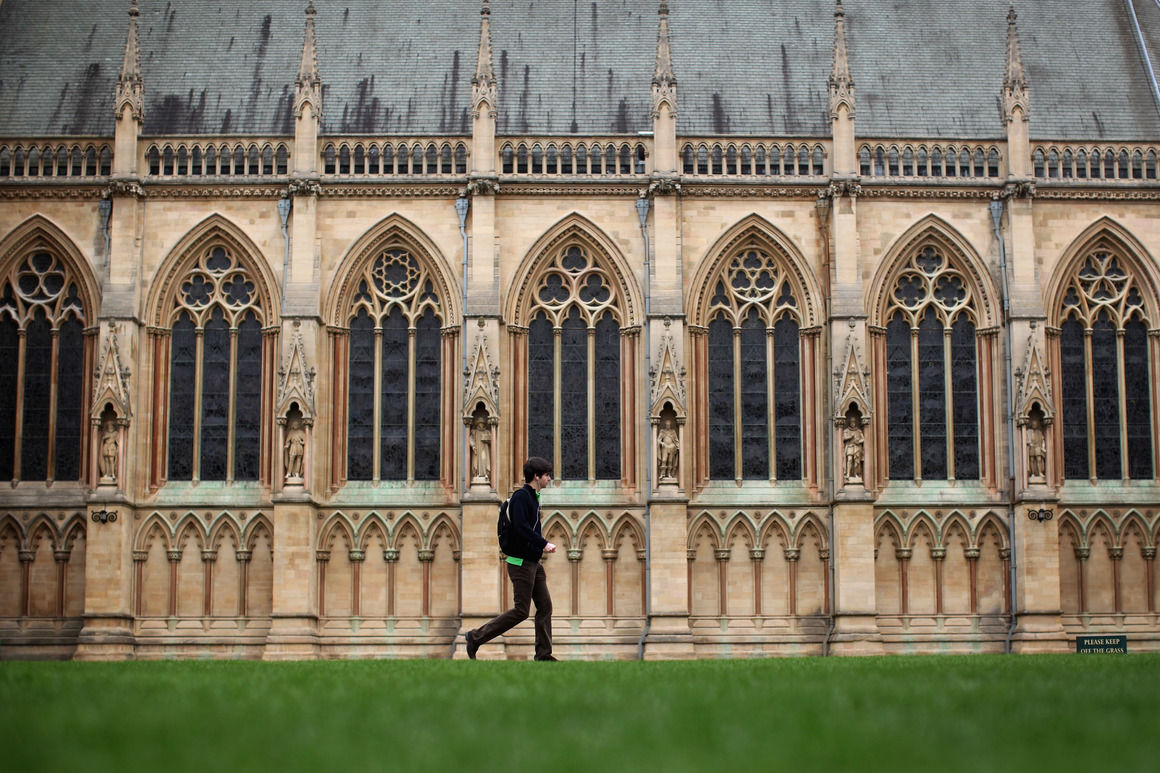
[557,413]
[21,362]
[1122,403]
[1090,394]
[915,412]
[737,471]
[232,410]
[411,332]
[377,450]
[199,369]
[949,401]
[771,413]
[53,397]
[591,404]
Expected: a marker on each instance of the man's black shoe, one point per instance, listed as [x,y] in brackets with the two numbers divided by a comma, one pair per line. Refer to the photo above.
[472,647]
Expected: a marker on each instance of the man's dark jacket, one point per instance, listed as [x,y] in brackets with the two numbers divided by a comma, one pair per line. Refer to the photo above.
[525,540]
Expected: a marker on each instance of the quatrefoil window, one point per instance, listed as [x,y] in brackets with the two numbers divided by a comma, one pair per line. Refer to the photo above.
[753,279]
[574,279]
[928,281]
[217,280]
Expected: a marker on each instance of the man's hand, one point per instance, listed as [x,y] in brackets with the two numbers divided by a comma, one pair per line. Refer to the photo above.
[549,548]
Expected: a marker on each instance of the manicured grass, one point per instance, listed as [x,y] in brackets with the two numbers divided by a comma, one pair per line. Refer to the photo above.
[981,713]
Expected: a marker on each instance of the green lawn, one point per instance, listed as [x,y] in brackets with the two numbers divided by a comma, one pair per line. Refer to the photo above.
[980,713]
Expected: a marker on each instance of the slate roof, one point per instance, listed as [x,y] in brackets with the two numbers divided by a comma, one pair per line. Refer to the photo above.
[921,68]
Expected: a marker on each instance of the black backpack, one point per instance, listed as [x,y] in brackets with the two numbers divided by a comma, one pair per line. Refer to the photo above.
[503,527]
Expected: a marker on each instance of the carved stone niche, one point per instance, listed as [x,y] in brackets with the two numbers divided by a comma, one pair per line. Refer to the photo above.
[294,413]
[110,434]
[111,413]
[668,438]
[481,427]
[853,447]
[1034,429]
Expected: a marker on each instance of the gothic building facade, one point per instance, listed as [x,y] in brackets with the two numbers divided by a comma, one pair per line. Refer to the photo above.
[286,300]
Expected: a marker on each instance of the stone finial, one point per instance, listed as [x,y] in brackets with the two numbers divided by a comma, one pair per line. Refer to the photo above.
[309,82]
[130,86]
[1015,92]
[483,83]
[664,80]
[841,84]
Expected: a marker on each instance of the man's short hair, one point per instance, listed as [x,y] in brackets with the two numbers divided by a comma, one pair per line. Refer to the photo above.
[535,467]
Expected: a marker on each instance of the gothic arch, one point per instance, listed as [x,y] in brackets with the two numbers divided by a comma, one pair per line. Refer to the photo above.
[154,525]
[259,525]
[444,522]
[335,528]
[407,522]
[808,522]
[961,256]
[706,522]
[188,250]
[558,521]
[991,520]
[592,522]
[187,527]
[39,233]
[574,228]
[755,231]
[219,531]
[922,522]
[740,526]
[373,523]
[393,231]
[74,527]
[1107,234]
[627,527]
[40,526]
[774,529]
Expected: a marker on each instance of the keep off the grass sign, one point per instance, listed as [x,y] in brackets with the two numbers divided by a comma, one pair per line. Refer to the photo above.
[1085,644]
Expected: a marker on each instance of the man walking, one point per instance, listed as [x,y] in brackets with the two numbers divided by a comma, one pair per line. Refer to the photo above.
[525,548]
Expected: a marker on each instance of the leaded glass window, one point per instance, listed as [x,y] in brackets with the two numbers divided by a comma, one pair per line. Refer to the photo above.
[42,380]
[394,371]
[215,371]
[1105,404]
[574,368]
[931,372]
[754,363]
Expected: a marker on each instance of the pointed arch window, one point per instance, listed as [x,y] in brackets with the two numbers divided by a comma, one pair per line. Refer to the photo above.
[574,356]
[755,370]
[219,372]
[46,356]
[1105,359]
[394,369]
[932,365]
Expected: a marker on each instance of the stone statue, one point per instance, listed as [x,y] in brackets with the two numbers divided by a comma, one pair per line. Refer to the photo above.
[668,450]
[854,447]
[295,449]
[480,451]
[1036,450]
[110,444]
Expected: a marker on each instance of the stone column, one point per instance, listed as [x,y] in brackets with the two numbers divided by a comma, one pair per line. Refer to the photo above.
[1038,626]
[479,572]
[855,606]
[669,636]
[107,633]
[294,619]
